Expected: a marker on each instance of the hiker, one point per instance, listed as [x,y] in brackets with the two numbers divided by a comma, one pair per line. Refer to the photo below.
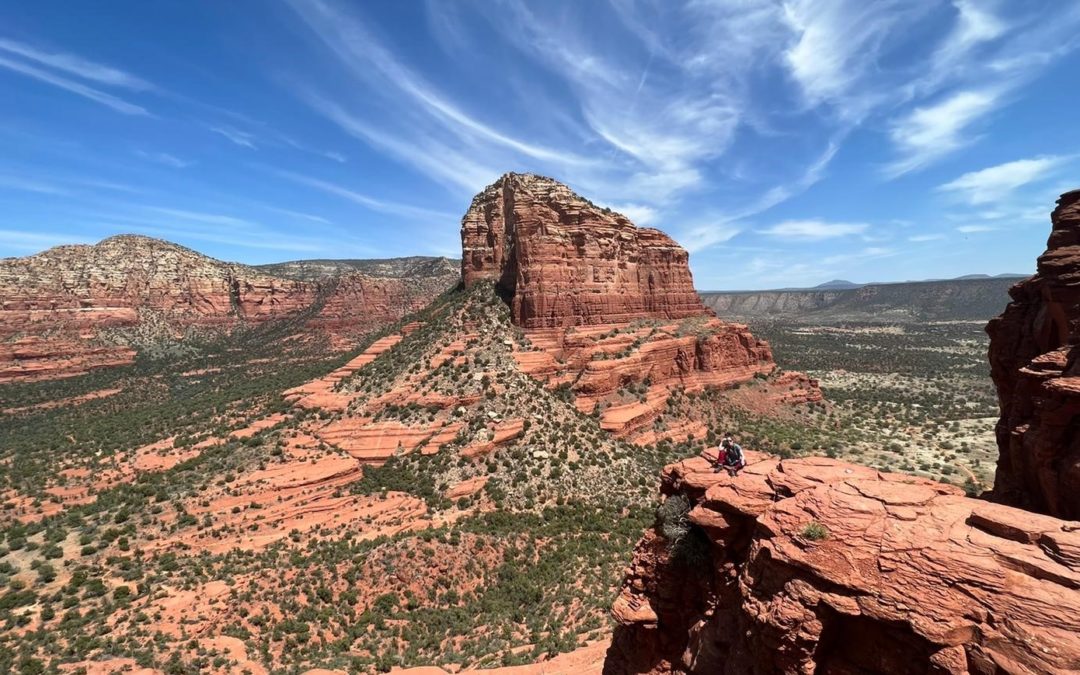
[729,456]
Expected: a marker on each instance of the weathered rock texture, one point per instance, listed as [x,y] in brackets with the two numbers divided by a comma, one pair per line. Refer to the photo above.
[73,308]
[818,566]
[1035,363]
[560,260]
[606,305]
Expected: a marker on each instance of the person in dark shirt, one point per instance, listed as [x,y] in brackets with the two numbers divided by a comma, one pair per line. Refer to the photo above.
[730,456]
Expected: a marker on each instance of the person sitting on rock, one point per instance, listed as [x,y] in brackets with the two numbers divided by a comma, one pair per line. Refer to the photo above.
[730,456]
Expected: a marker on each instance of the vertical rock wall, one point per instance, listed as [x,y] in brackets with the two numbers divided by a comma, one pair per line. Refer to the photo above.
[1035,366]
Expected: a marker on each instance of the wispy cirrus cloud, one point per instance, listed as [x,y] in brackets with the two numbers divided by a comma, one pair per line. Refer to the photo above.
[237,137]
[368,202]
[992,51]
[997,183]
[166,159]
[78,88]
[24,184]
[836,47]
[23,241]
[74,64]
[813,230]
[929,133]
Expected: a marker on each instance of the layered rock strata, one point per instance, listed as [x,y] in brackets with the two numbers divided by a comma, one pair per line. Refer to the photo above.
[817,566]
[1035,364]
[606,306]
[562,261]
[74,308]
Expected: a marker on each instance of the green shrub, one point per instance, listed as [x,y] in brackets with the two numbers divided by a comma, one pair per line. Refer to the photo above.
[815,531]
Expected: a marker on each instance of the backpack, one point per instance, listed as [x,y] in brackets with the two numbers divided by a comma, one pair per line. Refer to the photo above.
[734,455]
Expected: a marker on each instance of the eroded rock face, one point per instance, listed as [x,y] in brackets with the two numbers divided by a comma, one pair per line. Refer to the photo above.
[817,566]
[73,308]
[606,306]
[562,261]
[1035,366]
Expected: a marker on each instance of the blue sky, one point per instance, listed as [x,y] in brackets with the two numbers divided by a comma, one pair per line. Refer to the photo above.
[783,142]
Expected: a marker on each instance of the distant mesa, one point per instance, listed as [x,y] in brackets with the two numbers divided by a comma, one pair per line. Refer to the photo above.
[970,298]
[839,283]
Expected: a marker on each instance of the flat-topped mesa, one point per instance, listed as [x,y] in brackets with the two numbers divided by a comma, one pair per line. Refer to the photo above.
[1035,364]
[561,261]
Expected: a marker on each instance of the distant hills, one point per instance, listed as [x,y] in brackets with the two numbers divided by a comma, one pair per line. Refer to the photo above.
[838,283]
[972,297]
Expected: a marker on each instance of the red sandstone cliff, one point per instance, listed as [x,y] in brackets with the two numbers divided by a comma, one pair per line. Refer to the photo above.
[562,261]
[73,308]
[1035,366]
[818,566]
[607,305]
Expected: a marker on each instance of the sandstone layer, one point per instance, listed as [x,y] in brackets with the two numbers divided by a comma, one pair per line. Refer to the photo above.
[607,307]
[1035,365]
[818,566]
[74,308]
[562,261]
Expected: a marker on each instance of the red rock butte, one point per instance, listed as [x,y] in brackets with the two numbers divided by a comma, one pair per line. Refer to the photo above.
[606,305]
[561,261]
[1035,363]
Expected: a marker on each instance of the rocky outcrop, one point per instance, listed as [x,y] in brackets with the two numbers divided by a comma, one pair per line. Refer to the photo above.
[817,566]
[73,308]
[602,365]
[607,307]
[561,261]
[1035,363]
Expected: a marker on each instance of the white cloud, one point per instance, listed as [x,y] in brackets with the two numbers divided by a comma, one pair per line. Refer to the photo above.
[998,182]
[22,184]
[639,214]
[108,100]
[362,53]
[813,230]
[241,138]
[701,237]
[931,132]
[431,156]
[366,201]
[919,238]
[215,219]
[165,158]
[972,229]
[836,43]
[37,241]
[993,49]
[76,65]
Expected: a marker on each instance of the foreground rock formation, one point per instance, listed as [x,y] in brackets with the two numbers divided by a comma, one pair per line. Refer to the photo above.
[1035,366]
[74,308]
[818,566]
[609,309]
